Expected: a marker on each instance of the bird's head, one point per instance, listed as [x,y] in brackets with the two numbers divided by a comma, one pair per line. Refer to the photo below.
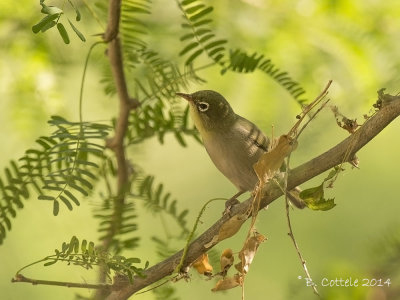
[209,110]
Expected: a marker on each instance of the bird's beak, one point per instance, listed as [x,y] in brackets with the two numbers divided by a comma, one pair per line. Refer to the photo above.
[188,97]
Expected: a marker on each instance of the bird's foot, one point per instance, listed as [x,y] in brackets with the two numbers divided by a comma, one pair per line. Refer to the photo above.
[231,203]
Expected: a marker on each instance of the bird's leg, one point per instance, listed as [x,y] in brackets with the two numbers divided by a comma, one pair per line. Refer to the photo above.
[232,202]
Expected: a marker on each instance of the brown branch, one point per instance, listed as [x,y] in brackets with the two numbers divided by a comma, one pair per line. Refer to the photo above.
[297,176]
[126,104]
[116,143]
[114,14]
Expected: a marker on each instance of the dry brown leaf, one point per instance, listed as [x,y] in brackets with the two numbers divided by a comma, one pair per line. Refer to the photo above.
[228,229]
[271,161]
[248,252]
[346,123]
[349,125]
[226,260]
[384,99]
[202,265]
[228,283]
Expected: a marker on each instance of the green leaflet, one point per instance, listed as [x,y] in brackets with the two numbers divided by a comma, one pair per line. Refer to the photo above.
[59,169]
[44,22]
[85,254]
[78,33]
[53,17]
[314,199]
[63,33]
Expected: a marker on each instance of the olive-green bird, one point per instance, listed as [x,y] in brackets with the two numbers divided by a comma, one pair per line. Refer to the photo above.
[234,143]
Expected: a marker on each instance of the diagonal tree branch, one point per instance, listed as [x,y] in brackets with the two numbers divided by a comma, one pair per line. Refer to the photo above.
[342,152]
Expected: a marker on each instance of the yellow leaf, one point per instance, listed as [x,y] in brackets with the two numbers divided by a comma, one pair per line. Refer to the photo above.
[202,265]
[228,283]
[271,161]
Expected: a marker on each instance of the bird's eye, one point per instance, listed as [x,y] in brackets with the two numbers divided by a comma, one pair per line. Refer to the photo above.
[203,106]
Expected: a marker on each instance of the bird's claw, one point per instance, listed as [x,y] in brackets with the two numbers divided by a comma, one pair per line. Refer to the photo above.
[229,204]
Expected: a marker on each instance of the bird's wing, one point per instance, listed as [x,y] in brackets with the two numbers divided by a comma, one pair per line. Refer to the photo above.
[253,135]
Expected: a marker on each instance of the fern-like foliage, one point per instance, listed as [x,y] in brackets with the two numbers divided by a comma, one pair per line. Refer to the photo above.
[163,247]
[85,254]
[161,79]
[122,233]
[157,200]
[118,229]
[164,115]
[241,62]
[199,37]
[132,27]
[153,80]
[64,166]
[132,30]
[152,120]
[60,169]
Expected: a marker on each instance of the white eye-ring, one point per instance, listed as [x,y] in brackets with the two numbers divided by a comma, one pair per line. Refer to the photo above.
[203,106]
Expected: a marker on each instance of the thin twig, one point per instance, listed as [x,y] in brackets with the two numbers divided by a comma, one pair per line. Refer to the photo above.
[323,105]
[158,285]
[291,234]
[303,262]
[191,234]
[287,206]
[307,110]
[21,278]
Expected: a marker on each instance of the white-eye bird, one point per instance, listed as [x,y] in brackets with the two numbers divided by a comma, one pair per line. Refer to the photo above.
[234,143]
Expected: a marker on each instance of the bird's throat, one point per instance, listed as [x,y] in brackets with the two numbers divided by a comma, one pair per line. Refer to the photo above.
[198,121]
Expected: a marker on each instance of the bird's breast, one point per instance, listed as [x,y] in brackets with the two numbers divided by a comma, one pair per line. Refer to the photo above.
[234,156]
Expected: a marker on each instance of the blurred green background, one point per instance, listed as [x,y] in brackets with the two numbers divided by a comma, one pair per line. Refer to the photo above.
[354,43]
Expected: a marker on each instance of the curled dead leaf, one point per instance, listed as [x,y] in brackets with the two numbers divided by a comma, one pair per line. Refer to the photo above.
[384,99]
[271,161]
[226,261]
[350,125]
[202,265]
[345,123]
[228,229]
[248,252]
[228,283]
